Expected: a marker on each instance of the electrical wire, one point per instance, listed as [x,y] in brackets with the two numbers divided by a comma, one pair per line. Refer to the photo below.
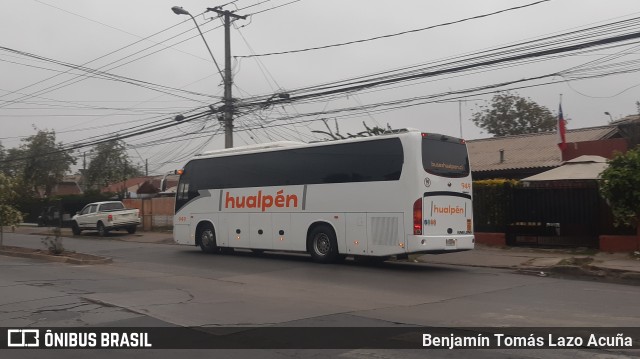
[393,35]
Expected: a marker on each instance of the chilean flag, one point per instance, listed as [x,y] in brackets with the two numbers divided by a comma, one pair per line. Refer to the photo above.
[562,129]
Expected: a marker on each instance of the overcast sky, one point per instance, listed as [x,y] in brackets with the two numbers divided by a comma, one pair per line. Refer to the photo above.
[114,36]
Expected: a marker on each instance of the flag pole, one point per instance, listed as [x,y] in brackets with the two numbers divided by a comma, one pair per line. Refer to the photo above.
[562,142]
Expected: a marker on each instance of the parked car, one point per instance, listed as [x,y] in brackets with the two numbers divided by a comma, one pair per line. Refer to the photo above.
[50,216]
[105,217]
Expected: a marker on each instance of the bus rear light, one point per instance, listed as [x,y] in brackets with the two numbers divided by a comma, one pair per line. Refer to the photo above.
[417,217]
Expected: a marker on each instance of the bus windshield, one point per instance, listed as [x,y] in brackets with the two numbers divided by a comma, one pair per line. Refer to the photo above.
[444,156]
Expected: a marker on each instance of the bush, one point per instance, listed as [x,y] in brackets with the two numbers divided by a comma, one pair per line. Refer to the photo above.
[54,245]
[620,185]
[491,204]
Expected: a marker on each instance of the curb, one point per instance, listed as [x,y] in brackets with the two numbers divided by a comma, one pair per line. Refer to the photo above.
[589,271]
[57,258]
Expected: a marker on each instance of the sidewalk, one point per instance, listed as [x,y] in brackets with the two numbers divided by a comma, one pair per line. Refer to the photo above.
[163,237]
[543,262]
[536,261]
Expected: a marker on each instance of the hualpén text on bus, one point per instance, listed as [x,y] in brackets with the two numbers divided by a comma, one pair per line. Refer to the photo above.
[261,201]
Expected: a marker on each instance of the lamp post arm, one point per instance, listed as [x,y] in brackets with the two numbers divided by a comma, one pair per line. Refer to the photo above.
[207,45]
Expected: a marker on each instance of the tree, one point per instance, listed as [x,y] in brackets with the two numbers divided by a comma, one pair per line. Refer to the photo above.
[39,161]
[510,114]
[110,164]
[9,216]
[620,185]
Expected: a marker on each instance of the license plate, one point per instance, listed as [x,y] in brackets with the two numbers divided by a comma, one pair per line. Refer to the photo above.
[451,242]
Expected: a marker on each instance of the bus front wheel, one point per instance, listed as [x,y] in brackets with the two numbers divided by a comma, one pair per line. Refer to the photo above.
[207,239]
[322,244]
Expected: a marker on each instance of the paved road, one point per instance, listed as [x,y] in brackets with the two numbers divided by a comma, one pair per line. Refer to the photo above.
[160,285]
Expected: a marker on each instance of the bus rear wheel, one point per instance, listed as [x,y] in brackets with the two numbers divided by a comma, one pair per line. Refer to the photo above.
[322,244]
[207,239]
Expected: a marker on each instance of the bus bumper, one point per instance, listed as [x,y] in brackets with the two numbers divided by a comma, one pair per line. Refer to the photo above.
[439,244]
[182,234]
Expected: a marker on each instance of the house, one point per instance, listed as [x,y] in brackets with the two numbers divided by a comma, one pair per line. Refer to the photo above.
[520,156]
[69,185]
[559,204]
[583,171]
[146,184]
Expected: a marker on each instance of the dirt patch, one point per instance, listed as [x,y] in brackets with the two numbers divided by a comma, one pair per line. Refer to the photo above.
[65,257]
[576,261]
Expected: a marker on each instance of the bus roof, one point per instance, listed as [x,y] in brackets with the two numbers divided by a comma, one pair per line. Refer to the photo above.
[249,148]
[274,146]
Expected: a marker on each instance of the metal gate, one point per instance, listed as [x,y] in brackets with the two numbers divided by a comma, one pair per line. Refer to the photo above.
[554,217]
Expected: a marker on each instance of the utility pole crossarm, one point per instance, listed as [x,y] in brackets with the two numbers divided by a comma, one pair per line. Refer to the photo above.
[226,13]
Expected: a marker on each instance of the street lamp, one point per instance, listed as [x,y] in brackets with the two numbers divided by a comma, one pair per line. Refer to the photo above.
[178,10]
[227,17]
[608,114]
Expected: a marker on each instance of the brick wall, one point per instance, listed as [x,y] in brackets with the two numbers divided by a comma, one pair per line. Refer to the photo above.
[619,243]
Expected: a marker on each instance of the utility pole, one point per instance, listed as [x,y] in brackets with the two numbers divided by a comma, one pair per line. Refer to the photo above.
[228,81]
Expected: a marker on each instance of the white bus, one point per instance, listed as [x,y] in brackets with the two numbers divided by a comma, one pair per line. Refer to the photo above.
[390,195]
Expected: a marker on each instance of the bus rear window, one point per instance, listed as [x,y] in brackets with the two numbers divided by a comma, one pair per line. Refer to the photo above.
[444,156]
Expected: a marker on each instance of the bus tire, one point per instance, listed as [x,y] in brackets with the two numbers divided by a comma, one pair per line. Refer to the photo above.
[207,239]
[322,244]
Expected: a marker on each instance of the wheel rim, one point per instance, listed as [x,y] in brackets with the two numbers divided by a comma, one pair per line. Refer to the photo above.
[207,238]
[322,244]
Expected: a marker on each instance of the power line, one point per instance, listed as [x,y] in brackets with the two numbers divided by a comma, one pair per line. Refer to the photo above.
[484,61]
[393,35]
[93,73]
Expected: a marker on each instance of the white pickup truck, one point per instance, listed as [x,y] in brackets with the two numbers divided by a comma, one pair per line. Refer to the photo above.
[105,217]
